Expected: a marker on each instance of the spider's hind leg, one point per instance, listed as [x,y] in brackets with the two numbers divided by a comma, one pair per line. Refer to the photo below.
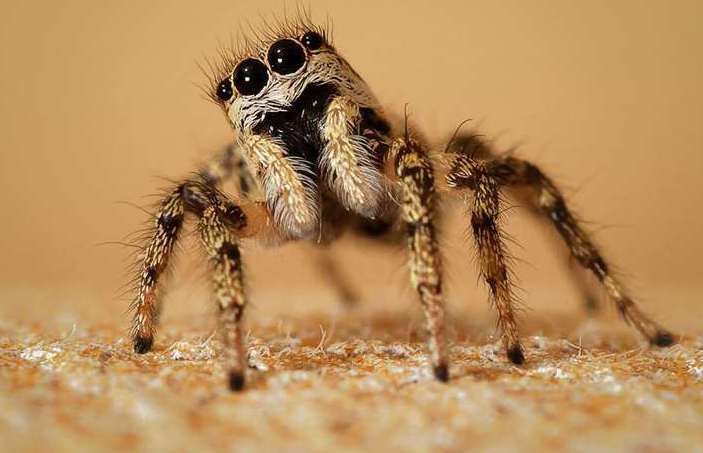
[329,269]
[581,281]
[510,171]
[491,251]
[479,149]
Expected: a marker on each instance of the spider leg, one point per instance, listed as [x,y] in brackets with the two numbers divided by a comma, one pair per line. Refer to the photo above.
[511,171]
[578,275]
[226,264]
[220,166]
[583,284]
[220,220]
[492,255]
[169,221]
[226,163]
[414,173]
[331,272]
[480,149]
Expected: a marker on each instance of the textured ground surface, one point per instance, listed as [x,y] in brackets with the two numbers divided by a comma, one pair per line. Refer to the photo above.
[354,380]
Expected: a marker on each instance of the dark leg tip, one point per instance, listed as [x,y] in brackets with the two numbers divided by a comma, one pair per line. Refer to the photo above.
[236,381]
[515,355]
[142,345]
[663,339]
[441,372]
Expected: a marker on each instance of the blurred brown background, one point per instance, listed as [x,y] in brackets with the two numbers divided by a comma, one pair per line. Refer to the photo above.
[100,99]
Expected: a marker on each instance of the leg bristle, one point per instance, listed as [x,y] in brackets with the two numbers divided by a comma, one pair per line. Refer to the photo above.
[663,339]
[142,345]
[441,372]
[236,381]
[516,355]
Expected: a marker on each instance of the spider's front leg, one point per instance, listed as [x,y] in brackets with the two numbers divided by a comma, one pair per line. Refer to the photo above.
[414,173]
[220,221]
[229,163]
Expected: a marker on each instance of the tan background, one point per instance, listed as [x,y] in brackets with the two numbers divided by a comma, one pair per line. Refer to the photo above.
[99,102]
[100,99]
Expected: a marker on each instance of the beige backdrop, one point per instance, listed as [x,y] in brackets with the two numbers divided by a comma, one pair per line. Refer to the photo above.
[99,99]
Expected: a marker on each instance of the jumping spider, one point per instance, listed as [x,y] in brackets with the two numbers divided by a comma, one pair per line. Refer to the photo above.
[313,141]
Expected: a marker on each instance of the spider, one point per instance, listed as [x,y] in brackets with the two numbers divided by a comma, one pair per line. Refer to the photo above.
[316,155]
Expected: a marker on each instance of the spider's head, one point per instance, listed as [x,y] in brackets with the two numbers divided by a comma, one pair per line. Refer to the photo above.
[271,73]
[283,95]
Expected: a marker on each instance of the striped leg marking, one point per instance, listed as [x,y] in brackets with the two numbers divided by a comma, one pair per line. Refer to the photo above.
[551,202]
[219,221]
[485,226]
[416,178]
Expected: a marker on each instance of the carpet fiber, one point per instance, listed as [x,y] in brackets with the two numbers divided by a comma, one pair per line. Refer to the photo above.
[355,381]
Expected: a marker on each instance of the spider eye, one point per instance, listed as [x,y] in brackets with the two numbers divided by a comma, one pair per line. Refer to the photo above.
[250,77]
[286,56]
[224,90]
[312,40]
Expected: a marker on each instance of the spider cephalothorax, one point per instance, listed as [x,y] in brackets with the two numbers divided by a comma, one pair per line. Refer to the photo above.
[293,95]
[312,140]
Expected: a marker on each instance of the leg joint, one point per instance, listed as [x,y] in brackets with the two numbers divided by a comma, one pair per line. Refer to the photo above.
[482,223]
[230,251]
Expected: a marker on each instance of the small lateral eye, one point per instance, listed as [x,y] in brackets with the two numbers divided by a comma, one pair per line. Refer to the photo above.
[312,40]
[286,56]
[224,90]
[250,77]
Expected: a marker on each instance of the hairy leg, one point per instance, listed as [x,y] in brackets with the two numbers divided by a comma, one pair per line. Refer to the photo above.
[511,171]
[415,176]
[169,220]
[584,284]
[227,162]
[220,167]
[492,256]
[219,217]
[226,263]
[579,277]
[476,147]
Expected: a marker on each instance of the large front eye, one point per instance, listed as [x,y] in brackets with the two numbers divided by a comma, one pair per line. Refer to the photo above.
[250,77]
[286,56]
